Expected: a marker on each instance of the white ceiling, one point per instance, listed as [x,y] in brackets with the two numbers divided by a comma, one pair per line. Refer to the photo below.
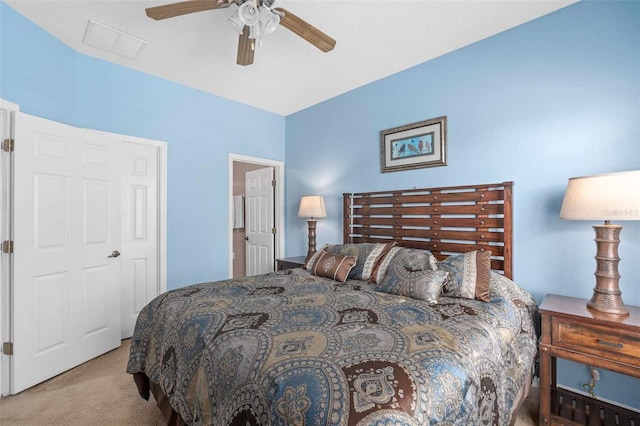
[374,39]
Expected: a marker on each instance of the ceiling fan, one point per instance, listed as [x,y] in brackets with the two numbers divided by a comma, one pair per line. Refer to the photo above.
[252,19]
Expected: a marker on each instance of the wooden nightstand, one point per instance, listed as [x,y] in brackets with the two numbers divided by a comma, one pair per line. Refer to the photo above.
[571,331]
[290,263]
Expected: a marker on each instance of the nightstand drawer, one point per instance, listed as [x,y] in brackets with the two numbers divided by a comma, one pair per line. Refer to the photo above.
[622,345]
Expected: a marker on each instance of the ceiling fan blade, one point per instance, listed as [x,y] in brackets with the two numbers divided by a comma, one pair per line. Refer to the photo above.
[246,48]
[185,7]
[306,30]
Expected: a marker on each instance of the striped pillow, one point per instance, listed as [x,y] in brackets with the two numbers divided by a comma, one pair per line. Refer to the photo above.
[367,256]
[412,260]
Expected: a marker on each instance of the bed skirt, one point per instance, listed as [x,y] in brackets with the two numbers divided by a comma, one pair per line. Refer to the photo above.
[173,418]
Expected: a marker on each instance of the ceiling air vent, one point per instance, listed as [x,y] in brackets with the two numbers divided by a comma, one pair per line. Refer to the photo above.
[111,40]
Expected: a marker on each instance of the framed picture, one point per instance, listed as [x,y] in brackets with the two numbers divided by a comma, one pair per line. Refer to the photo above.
[414,146]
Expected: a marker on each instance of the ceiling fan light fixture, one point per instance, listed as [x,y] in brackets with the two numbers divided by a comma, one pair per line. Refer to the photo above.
[252,19]
[248,13]
[268,20]
[236,23]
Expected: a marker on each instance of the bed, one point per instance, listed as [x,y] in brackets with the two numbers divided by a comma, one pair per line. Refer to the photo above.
[413,319]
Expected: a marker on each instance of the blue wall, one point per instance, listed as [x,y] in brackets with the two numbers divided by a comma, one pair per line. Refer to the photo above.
[555,98]
[36,70]
[50,80]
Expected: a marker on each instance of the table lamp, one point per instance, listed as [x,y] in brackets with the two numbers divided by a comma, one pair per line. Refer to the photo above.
[312,206]
[612,196]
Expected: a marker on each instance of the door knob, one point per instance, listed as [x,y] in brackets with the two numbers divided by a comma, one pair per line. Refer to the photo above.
[246,238]
[114,253]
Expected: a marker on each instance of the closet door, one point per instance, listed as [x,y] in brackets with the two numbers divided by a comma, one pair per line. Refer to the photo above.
[140,230]
[66,290]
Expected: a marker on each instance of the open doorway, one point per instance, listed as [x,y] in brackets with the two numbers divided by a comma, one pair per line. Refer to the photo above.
[239,168]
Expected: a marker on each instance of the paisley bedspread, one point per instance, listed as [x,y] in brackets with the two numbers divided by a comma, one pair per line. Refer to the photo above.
[291,348]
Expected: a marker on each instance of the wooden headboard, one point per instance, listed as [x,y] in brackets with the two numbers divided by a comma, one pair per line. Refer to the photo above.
[445,221]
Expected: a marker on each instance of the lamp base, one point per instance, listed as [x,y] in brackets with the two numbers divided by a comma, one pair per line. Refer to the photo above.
[607,303]
[607,296]
[312,238]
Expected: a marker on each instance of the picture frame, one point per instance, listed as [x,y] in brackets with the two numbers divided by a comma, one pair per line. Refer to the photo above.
[414,146]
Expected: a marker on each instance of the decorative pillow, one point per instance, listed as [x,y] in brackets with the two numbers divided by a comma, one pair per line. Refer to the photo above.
[334,266]
[383,259]
[422,285]
[412,260]
[381,268]
[469,275]
[308,263]
[368,254]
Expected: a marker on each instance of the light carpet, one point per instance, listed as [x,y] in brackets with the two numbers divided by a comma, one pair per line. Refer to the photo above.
[100,392]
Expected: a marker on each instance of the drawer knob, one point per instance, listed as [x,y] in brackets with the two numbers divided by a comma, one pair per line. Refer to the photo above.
[610,344]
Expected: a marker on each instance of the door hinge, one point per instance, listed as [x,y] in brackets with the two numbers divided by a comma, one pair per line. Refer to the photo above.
[273,231]
[273,182]
[8,145]
[7,246]
[7,348]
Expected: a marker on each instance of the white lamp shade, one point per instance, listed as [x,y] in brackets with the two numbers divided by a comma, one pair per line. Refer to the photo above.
[268,20]
[312,206]
[612,196]
[248,13]
[236,23]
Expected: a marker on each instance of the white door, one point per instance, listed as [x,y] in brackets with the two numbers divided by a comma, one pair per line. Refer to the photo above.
[66,290]
[140,236]
[259,223]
